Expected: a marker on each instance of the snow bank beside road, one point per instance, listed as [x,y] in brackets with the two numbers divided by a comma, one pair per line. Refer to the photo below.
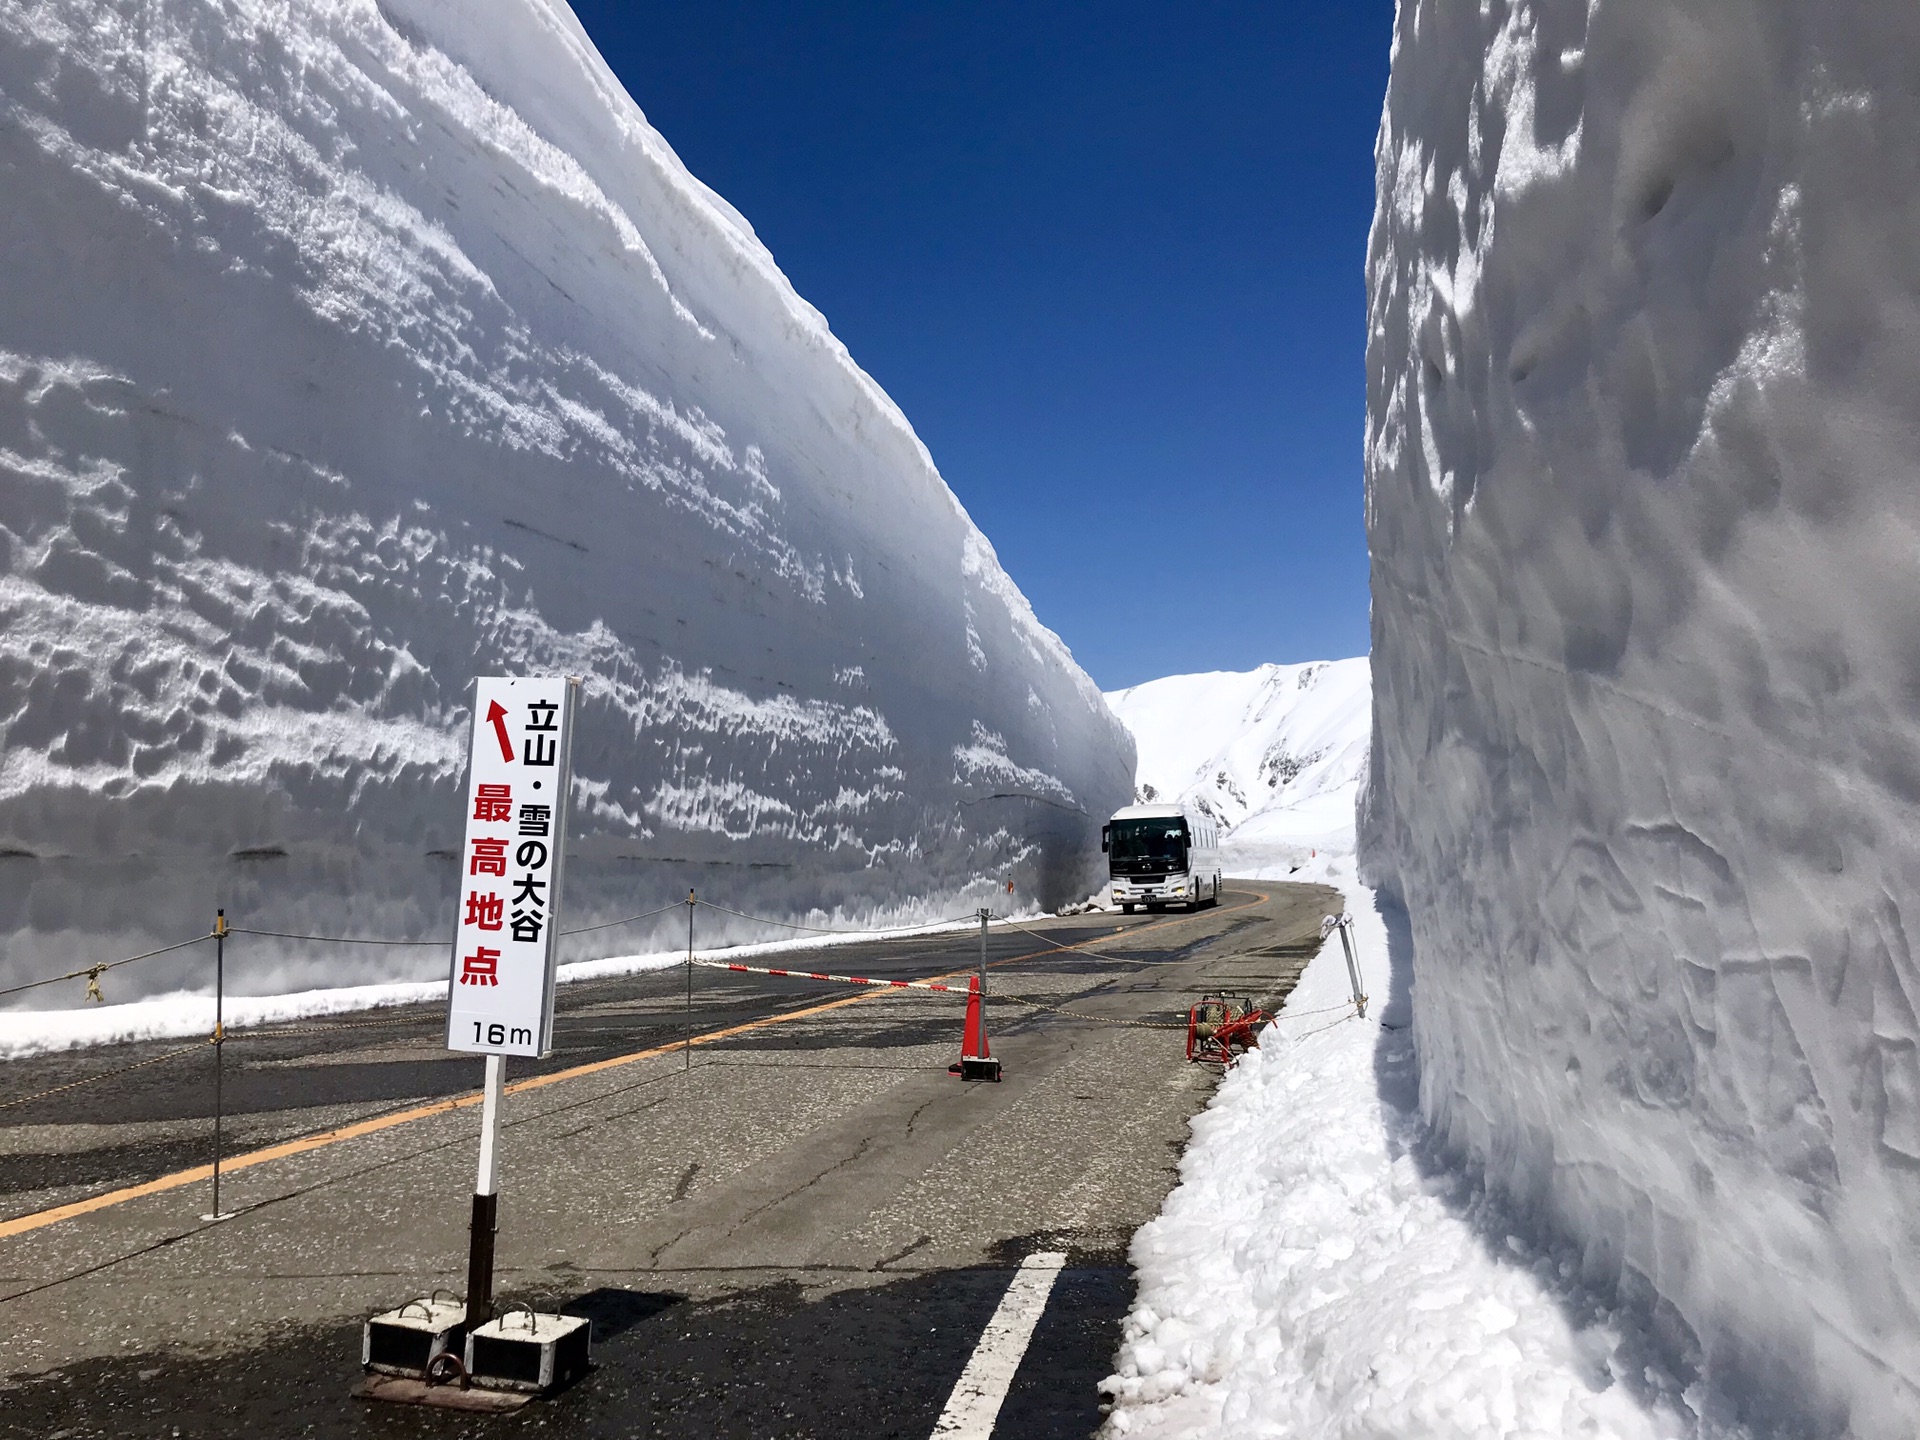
[1307,1278]
[1643,467]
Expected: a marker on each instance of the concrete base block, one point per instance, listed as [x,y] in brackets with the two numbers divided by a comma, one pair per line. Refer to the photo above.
[404,1342]
[524,1350]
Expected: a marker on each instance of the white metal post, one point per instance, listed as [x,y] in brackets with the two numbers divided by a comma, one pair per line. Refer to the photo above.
[219,1038]
[688,1048]
[985,915]
[1353,965]
[488,1182]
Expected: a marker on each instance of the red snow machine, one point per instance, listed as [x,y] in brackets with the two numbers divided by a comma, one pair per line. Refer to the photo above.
[1222,1027]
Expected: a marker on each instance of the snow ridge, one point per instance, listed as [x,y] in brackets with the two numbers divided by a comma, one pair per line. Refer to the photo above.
[350,349]
[1275,754]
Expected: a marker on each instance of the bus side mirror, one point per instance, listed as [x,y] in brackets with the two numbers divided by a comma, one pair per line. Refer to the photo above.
[1103,838]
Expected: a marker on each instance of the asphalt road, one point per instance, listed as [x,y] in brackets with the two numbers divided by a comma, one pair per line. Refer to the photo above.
[801,1234]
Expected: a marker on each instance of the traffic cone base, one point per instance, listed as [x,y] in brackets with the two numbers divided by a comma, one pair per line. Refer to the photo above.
[976,1061]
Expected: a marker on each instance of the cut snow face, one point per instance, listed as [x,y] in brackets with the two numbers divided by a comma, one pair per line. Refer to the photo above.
[1643,419]
[349,350]
[1274,754]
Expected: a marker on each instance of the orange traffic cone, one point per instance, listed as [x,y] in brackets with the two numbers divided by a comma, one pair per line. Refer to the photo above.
[976,1062]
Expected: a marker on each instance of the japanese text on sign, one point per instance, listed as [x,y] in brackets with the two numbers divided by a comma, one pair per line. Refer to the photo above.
[501,995]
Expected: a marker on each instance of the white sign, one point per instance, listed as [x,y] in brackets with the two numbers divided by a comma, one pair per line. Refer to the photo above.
[501,999]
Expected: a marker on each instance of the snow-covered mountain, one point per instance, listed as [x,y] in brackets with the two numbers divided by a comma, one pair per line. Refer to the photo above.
[350,349]
[1643,499]
[1275,754]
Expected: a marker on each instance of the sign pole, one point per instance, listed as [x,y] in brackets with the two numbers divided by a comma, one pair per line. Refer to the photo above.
[689,1045]
[985,915]
[486,1200]
[506,934]
[219,1046]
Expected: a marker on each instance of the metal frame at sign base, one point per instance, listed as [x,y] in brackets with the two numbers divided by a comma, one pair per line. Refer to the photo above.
[402,1390]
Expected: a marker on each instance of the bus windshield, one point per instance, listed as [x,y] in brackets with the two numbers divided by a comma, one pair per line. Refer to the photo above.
[1149,840]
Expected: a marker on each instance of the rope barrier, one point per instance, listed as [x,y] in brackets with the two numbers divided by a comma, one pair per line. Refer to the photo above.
[1079,949]
[932,985]
[409,1016]
[103,1075]
[838,979]
[1094,1019]
[329,939]
[834,929]
[92,973]
[602,925]
[1322,1029]
[442,944]
[627,920]
[1303,1014]
[270,1030]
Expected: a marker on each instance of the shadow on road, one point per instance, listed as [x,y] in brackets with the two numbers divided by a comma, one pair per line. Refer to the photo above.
[874,1361]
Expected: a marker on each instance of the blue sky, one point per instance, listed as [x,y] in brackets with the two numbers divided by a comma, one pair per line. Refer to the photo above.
[1108,259]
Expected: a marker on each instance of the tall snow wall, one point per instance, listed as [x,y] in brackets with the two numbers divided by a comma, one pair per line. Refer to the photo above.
[1643,465]
[348,350]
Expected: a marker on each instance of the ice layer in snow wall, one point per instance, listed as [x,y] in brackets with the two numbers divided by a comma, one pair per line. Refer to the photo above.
[1644,505]
[349,350]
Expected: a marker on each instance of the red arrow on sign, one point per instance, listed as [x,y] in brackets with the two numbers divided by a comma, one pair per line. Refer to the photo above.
[497,717]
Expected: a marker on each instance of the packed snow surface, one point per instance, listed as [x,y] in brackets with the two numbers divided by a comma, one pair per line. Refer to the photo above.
[351,349]
[1314,1274]
[1643,505]
[1274,754]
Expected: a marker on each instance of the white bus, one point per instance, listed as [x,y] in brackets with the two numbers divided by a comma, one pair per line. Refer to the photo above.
[1162,854]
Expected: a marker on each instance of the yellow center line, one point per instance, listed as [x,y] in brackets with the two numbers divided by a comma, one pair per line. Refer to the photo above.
[305,1144]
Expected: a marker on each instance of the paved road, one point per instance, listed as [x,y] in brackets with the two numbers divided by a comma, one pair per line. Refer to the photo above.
[801,1235]
[288,1080]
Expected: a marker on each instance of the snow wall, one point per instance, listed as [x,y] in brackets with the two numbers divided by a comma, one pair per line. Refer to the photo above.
[1643,502]
[348,350]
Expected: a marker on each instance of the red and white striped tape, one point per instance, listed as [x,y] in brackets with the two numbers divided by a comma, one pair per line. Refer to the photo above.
[840,979]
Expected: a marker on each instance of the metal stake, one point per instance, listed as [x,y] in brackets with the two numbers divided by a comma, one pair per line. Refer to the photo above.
[219,1046]
[985,915]
[688,1048]
[486,1199]
[1345,926]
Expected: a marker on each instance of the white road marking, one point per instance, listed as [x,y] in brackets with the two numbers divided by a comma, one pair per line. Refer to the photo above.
[982,1387]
